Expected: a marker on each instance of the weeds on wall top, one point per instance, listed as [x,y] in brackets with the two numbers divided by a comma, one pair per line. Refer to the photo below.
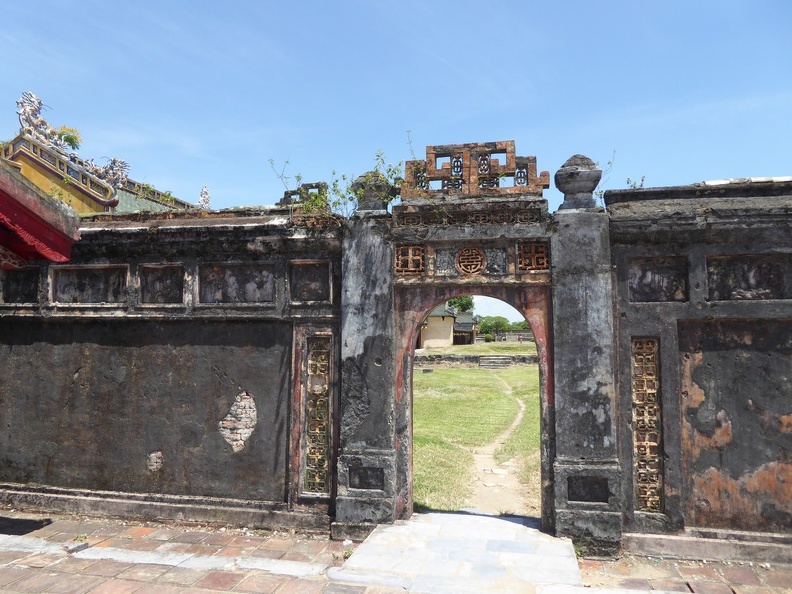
[633,184]
[341,195]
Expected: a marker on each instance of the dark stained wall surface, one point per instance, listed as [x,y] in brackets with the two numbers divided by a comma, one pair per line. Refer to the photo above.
[703,317]
[183,407]
[737,423]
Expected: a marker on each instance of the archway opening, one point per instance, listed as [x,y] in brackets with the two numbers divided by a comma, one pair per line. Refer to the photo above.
[476,410]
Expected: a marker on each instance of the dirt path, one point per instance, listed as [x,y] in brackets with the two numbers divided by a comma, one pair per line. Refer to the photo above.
[498,489]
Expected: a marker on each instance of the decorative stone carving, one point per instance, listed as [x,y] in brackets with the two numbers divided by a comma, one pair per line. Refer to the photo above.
[577,179]
[749,277]
[472,169]
[204,202]
[374,191]
[90,285]
[657,280]
[495,215]
[533,255]
[161,284]
[409,259]
[30,121]
[470,261]
[317,447]
[243,283]
[310,281]
[647,425]
[9,259]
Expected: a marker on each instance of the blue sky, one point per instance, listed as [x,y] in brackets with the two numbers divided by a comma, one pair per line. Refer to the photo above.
[205,93]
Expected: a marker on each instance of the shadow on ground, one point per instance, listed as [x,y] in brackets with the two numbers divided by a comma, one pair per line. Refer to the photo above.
[527,521]
[21,526]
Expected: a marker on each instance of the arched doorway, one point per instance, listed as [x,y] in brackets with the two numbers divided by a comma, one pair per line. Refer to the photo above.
[476,412]
[412,305]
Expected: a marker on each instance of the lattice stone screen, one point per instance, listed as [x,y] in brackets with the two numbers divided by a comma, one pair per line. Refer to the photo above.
[533,256]
[647,425]
[317,450]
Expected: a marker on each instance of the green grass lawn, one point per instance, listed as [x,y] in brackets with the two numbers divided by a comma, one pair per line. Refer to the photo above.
[455,408]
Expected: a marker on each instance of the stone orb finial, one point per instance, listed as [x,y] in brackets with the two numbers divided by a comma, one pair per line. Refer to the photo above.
[577,179]
[373,191]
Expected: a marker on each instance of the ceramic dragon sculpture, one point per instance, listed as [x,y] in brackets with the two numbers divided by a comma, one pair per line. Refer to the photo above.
[115,172]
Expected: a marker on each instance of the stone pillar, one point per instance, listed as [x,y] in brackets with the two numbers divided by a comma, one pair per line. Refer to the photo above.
[367,457]
[588,494]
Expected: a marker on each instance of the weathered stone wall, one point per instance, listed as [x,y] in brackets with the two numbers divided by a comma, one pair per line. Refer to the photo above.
[146,406]
[259,362]
[191,358]
[702,317]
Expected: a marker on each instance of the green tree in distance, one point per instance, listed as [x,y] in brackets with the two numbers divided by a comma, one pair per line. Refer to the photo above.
[493,325]
[462,303]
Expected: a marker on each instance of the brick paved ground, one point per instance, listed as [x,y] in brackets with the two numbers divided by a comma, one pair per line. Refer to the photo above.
[646,573]
[55,571]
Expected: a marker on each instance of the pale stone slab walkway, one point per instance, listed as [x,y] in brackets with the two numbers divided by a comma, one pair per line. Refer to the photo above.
[458,553]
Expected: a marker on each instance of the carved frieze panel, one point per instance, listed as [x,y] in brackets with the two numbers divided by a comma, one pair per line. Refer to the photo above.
[236,283]
[497,261]
[473,169]
[647,425]
[9,260]
[106,284]
[410,259]
[533,255]
[652,280]
[310,281]
[21,286]
[455,262]
[749,277]
[161,284]
[317,418]
[470,261]
[496,215]
[461,262]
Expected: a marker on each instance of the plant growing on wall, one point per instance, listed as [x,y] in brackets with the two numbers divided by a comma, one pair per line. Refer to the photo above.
[342,194]
[69,136]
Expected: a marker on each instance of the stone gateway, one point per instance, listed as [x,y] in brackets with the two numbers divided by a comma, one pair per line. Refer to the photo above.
[255,365]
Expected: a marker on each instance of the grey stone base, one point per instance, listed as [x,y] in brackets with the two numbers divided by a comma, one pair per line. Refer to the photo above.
[350,531]
[148,506]
[365,510]
[762,548]
[594,532]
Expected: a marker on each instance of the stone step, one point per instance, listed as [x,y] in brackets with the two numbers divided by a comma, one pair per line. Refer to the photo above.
[495,361]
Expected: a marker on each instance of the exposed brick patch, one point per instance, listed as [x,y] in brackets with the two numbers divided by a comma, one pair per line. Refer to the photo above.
[154,461]
[237,426]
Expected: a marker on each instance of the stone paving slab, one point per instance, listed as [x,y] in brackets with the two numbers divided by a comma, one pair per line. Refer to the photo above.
[460,553]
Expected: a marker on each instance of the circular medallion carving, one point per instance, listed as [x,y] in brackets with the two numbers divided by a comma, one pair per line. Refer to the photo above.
[471,261]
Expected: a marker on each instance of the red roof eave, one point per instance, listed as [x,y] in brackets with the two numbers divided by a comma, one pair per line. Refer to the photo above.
[46,227]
